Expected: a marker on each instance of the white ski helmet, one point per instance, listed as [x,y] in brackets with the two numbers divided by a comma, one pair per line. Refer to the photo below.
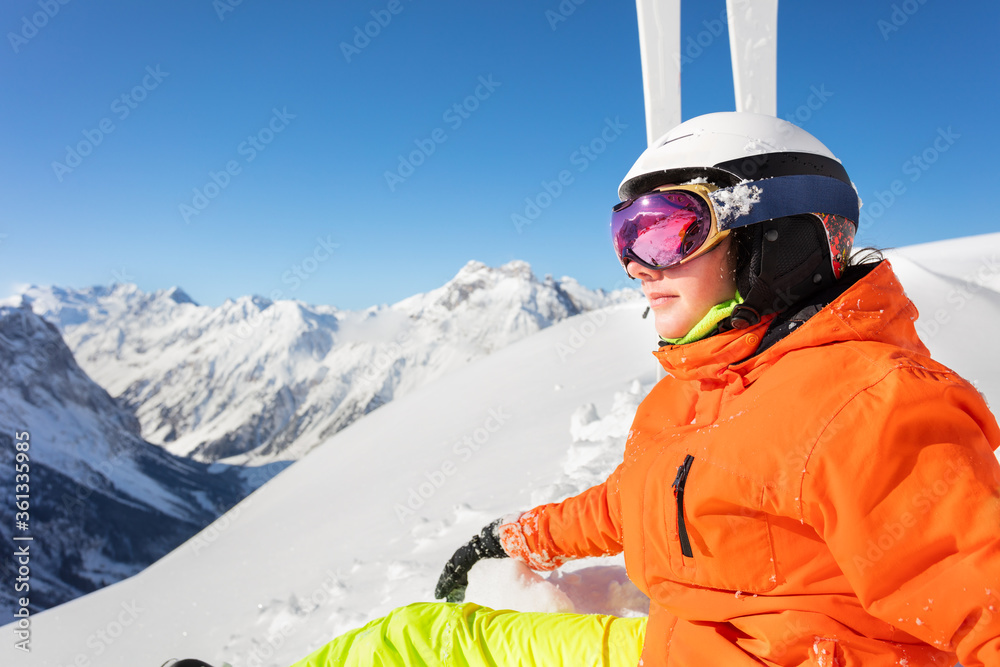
[780,260]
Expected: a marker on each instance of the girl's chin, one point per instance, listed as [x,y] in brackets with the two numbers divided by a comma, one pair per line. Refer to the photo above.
[671,329]
[675,320]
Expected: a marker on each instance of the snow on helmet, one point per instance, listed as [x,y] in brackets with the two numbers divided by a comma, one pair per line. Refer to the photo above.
[780,261]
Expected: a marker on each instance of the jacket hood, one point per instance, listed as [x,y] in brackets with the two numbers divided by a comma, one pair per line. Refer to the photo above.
[875,308]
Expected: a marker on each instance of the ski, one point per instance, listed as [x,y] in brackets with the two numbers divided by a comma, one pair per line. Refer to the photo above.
[660,52]
[753,45]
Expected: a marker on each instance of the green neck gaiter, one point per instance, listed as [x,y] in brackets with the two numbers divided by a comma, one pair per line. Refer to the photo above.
[709,323]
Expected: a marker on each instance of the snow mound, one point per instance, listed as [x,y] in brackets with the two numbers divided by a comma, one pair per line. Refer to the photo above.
[601,589]
[598,445]
[505,583]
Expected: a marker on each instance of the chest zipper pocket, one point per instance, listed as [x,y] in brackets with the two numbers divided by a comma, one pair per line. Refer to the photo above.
[678,485]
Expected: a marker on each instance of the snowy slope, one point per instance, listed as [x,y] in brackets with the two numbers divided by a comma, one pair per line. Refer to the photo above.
[248,380]
[365,522]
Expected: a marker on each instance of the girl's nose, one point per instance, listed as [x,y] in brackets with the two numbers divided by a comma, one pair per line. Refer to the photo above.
[637,270]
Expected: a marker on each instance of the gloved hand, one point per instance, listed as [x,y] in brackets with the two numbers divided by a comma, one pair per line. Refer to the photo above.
[455,578]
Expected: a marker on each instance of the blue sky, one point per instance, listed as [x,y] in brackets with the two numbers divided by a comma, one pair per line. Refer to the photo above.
[235,149]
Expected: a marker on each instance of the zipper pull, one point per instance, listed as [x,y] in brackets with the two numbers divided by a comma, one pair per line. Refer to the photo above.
[678,486]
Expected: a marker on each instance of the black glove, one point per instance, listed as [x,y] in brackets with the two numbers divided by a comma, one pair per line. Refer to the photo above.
[455,578]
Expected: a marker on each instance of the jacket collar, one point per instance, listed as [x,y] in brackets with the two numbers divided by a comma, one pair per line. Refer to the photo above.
[709,357]
[873,308]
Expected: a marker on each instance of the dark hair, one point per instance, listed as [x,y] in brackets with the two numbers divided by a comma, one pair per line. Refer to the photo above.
[866,256]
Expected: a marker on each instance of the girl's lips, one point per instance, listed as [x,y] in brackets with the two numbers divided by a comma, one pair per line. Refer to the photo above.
[659,299]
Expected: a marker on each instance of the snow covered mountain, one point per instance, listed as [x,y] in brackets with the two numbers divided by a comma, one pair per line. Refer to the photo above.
[256,380]
[250,374]
[365,522]
[101,503]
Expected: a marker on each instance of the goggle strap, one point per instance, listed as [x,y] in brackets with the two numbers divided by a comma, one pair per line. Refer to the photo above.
[783,196]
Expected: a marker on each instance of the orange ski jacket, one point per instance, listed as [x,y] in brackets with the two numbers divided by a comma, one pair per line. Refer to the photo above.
[832,500]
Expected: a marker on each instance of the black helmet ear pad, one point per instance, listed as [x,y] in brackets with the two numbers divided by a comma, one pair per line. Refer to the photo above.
[781,261]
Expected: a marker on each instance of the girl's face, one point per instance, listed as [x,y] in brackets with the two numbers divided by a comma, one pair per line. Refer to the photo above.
[681,295]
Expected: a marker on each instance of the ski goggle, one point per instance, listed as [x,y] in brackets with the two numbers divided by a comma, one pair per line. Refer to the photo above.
[675,224]
[666,227]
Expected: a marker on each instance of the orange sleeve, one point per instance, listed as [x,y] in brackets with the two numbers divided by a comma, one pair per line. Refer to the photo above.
[904,487]
[547,536]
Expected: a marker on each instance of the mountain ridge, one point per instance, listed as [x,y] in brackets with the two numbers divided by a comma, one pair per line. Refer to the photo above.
[255,380]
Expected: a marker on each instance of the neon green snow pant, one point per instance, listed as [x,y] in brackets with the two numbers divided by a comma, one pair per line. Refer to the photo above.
[467,635]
